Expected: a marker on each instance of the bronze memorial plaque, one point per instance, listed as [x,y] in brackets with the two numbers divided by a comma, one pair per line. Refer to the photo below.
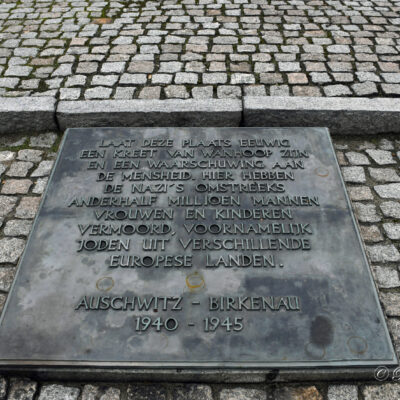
[195,247]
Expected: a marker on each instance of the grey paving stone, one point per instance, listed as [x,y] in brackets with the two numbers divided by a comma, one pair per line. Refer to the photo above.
[338,49]
[30,155]
[392,230]
[19,168]
[279,90]
[255,90]
[99,92]
[358,193]
[242,79]
[22,389]
[58,392]
[337,90]
[394,329]
[356,158]
[146,392]
[391,303]
[383,253]
[111,393]
[340,158]
[124,93]
[353,174]
[3,380]
[271,78]
[27,207]
[7,204]
[104,80]
[367,77]
[307,91]
[90,392]
[141,66]
[186,78]
[3,298]
[195,392]
[113,67]
[202,92]
[3,168]
[242,394]
[390,89]
[365,88]
[297,78]
[44,140]
[6,277]
[229,92]
[76,80]
[371,233]
[150,92]
[7,155]
[176,92]
[366,145]
[87,67]
[70,93]
[384,174]
[63,70]
[17,70]
[385,144]
[366,212]
[161,79]
[390,209]
[294,393]
[170,67]
[9,83]
[387,391]
[40,186]
[289,66]
[133,79]
[10,250]
[43,169]
[16,186]
[17,227]
[214,78]
[320,77]
[342,392]
[381,157]
[391,190]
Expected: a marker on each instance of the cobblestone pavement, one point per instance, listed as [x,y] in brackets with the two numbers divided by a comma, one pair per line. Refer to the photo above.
[98,49]
[370,168]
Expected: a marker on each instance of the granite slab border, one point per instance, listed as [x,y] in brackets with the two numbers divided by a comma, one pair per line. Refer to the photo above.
[27,114]
[341,115]
[135,113]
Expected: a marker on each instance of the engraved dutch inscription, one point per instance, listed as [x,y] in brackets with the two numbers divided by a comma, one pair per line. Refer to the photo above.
[176,247]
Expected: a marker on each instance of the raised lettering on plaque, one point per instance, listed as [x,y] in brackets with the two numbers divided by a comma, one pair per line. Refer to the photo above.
[195,247]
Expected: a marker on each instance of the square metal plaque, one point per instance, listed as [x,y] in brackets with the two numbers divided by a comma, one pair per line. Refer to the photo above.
[195,247]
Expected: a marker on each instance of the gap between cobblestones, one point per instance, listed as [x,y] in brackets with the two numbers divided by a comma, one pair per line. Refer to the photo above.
[341,115]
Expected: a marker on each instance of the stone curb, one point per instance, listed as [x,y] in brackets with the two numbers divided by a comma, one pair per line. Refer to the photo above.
[111,113]
[27,114]
[341,115]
